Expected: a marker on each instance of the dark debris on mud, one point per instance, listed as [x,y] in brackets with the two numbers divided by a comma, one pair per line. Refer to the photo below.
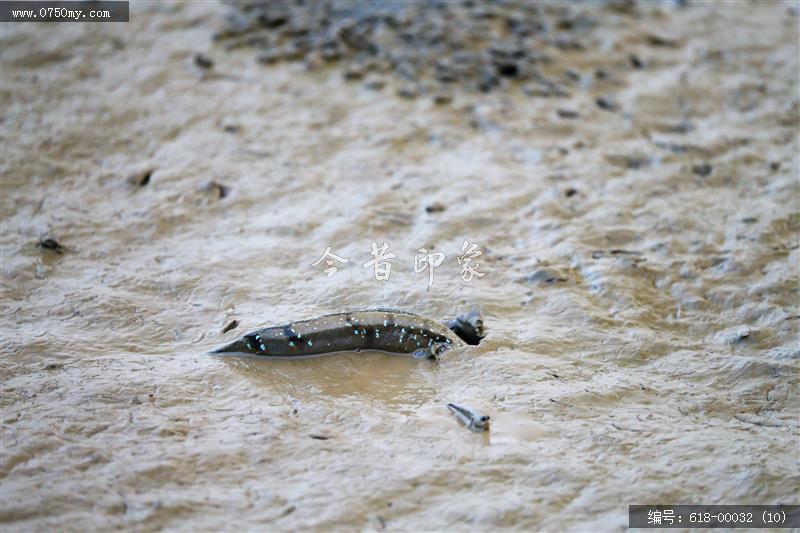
[426,47]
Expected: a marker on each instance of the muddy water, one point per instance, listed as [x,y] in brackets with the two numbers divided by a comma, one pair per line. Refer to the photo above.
[642,306]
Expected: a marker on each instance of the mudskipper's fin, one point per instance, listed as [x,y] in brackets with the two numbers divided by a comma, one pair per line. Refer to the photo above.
[469,327]
[431,352]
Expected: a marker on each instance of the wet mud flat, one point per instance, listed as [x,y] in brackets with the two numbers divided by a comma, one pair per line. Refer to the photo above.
[632,181]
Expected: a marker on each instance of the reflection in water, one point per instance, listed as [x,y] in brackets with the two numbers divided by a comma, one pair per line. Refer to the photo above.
[387,378]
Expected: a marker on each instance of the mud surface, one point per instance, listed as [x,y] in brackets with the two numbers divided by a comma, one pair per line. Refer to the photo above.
[162,195]
[427,47]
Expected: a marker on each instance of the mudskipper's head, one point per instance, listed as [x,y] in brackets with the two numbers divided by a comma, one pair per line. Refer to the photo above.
[481,423]
[469,327]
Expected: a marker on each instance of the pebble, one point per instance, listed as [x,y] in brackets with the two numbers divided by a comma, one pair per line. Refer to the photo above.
[436,207]
[635,61]
[140,179]
[203,61]
[354,73]
[567,113]
[546,275]
[658,40]
[606,103]
[216,188]
[443,99]
[703,169]
[49,243]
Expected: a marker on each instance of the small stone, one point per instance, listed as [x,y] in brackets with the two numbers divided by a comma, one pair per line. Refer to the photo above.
[436,207]
[233,324]
[602,74]
[274,15]
[232,128]
[570,192]
[703,169]
[140,179]
[508,69]
[354,73]
[606,103]
[203,61]
[546,275]
[635,61]
[567,113]
[572,75]
[48,243]
[217,188]
[443,99]
[289,510]
[658,40]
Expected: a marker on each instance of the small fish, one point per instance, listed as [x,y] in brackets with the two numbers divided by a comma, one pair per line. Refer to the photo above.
[385,330]
[468,416]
